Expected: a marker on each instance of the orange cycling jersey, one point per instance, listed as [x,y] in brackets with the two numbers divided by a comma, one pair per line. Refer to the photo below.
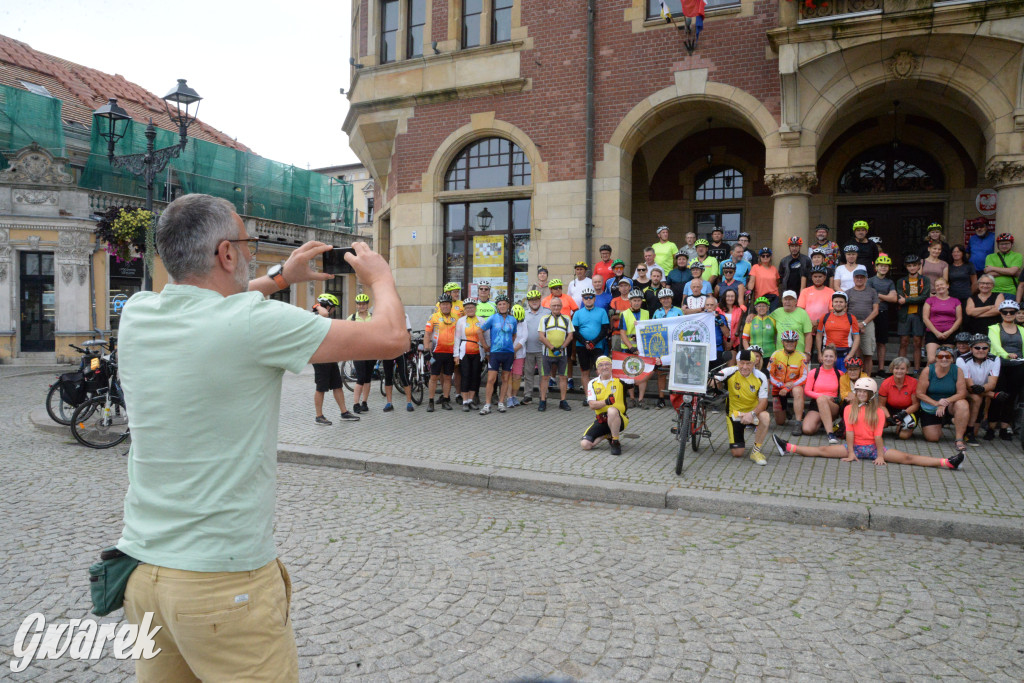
[472,333]
[784,368]
[442,329]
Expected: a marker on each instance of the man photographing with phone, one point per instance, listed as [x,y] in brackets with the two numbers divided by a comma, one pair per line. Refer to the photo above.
[201,364]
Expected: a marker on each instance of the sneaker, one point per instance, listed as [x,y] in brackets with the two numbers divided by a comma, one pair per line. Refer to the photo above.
[542,406]
[585,403]
[616,447]
[321,420]
[971,440]
[388,407]
[486,410]
[989,434]
[780,444]
[552,384]
[409,408]
[631,403]
[833,440]
[358,408]
[1006,434]
[564,405]
[365,408]
[954,461]
[758,457]
[446,404]
[458,399]
[644,405]
[473,405]
[465,407]
[798,429]
[501,407]
[349,417]
[511,402]
[572,384]
[525,400]
[661,403]
[430,406]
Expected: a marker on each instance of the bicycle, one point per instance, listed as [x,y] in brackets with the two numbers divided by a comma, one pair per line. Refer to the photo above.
[70,390]
[691,419]
[102,421]
[416,373]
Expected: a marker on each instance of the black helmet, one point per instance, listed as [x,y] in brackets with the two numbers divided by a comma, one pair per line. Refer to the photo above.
[500,298]
[963,338]
[911,258]
[445,298]
[819,269]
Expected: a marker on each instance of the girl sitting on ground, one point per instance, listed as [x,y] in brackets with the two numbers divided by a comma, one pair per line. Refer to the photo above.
[865,421]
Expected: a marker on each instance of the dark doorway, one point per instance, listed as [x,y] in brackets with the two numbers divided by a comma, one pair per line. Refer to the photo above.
[902,227]
[38,302]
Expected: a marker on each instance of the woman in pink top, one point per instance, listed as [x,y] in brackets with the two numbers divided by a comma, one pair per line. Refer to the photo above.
[823,388]
[933,267]
[733,312]
[942,317]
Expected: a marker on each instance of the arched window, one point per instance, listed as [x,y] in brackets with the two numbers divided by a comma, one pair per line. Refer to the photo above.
[491,162]
[892,169]
[719,183]
[489,240]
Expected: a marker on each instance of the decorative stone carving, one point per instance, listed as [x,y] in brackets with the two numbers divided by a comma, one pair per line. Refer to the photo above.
[791,183]
[1005,173]
[83,273]
[67,272]
[902,64]
[5,253]
[74,248]
[42,197]
[34,165]
[33,242]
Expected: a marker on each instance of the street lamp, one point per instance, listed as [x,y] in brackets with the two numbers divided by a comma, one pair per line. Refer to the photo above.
[484,218]
[112,121]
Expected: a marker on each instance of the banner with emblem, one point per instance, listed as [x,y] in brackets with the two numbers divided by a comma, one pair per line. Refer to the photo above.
[630,368]
[654,337]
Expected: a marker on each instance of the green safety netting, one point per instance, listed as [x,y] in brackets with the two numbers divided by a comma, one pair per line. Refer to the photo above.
[99,174]
[26,118]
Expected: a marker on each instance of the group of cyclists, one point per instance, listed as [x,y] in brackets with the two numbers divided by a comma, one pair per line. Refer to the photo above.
[809,333]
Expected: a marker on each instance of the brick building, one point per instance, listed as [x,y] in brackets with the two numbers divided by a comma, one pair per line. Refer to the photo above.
[471,115]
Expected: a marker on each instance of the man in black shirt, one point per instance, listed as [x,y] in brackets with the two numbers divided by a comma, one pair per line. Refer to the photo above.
[867,251]
[795,269]
[719,249]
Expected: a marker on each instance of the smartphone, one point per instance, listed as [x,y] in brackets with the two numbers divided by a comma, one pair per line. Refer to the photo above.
[335,263]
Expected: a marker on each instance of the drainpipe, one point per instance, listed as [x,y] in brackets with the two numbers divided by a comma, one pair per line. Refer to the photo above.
[589,213]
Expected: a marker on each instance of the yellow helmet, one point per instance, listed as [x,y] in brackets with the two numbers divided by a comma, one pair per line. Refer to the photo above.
[362,298]
[328,299]
[883,260]
[861,225]
[518,312]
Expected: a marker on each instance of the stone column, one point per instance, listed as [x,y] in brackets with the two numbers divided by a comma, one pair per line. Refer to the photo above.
[7,294]
[790,191]
[1007,177]
[71,283]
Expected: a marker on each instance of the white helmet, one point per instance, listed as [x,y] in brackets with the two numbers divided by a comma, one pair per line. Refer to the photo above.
[663,292]
[588,291]
[1009,304]
[867,384]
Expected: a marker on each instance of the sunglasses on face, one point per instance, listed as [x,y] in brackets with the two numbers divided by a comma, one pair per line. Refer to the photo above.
[943,357]
[641,270]
[980,348]
[588,296]
[1008,312]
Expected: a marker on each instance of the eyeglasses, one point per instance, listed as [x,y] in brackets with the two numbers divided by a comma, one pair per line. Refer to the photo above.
[253,244]
[944,357]
[980,348]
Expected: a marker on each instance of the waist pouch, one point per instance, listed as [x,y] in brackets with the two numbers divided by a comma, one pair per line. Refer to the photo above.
[108,579]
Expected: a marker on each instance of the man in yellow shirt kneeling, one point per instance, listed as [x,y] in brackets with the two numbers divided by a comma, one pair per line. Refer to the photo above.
[607,397]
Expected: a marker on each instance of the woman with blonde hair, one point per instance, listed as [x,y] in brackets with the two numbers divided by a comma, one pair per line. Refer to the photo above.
[865,421]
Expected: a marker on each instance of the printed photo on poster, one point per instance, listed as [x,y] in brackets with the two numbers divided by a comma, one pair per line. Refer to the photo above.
[689,368]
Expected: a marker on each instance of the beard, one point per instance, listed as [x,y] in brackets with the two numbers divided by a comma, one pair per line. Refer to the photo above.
[241,274]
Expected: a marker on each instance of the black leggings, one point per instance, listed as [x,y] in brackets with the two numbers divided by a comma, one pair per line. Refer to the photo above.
[470,365]
[364,371]
[389,370]
[1011,375]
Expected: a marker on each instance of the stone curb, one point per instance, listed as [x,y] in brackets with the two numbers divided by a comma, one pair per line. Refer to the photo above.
[790,509]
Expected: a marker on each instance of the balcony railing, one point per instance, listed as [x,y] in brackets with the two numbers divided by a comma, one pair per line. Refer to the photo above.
[838,8]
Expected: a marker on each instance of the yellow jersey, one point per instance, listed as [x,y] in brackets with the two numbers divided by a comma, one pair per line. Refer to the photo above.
[599,390]
[745,392]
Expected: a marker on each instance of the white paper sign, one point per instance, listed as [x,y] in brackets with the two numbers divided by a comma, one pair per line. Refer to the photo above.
[655,337]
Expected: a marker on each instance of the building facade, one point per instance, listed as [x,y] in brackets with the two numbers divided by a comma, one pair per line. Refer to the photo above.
[359,178]
[472,118]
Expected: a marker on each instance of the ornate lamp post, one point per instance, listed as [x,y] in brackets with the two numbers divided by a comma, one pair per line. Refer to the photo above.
[484,218]
[112,121]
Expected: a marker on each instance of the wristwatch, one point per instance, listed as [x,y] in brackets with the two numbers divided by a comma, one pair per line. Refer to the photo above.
[276,273]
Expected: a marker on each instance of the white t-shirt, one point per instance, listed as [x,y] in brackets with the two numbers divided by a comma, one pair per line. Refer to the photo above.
[201,374]
[979,372]
[845,278]
[575,289]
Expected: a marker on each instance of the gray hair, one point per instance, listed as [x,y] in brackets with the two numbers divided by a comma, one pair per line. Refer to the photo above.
[899,360]
[648,250]
[189,231]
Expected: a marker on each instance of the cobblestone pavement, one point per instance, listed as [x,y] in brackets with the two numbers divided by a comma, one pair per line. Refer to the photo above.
[403,580]
[990,483]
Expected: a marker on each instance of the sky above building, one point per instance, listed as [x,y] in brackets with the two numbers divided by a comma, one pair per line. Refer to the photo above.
[269,72]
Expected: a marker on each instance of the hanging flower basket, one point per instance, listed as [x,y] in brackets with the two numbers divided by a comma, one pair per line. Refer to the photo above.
[811,4]
[124,229]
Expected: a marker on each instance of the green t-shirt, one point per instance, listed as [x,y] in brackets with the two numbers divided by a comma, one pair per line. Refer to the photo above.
[1005,284]
[202,382]
[797,320]
[664,255]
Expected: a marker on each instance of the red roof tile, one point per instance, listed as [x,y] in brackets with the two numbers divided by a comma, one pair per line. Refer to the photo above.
[83,89]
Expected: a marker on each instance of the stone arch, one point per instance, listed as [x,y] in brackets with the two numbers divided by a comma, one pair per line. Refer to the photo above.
[480,126]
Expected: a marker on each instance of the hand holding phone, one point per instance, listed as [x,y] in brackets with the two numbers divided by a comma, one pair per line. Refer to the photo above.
[334,262]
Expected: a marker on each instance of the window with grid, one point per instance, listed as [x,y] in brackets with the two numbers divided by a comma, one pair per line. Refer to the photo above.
[389,31]
[491,162]
[886,168]
[472,12]
[676,6]
[719,183]
[417,20]
[501,21]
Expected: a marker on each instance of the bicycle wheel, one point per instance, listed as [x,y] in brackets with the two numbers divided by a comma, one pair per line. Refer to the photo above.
[415,384]
[683,429]
[97,425]
[697,426]
[59,411]
[348,374]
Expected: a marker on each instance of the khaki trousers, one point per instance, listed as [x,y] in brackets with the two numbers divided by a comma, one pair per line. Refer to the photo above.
[216,626]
